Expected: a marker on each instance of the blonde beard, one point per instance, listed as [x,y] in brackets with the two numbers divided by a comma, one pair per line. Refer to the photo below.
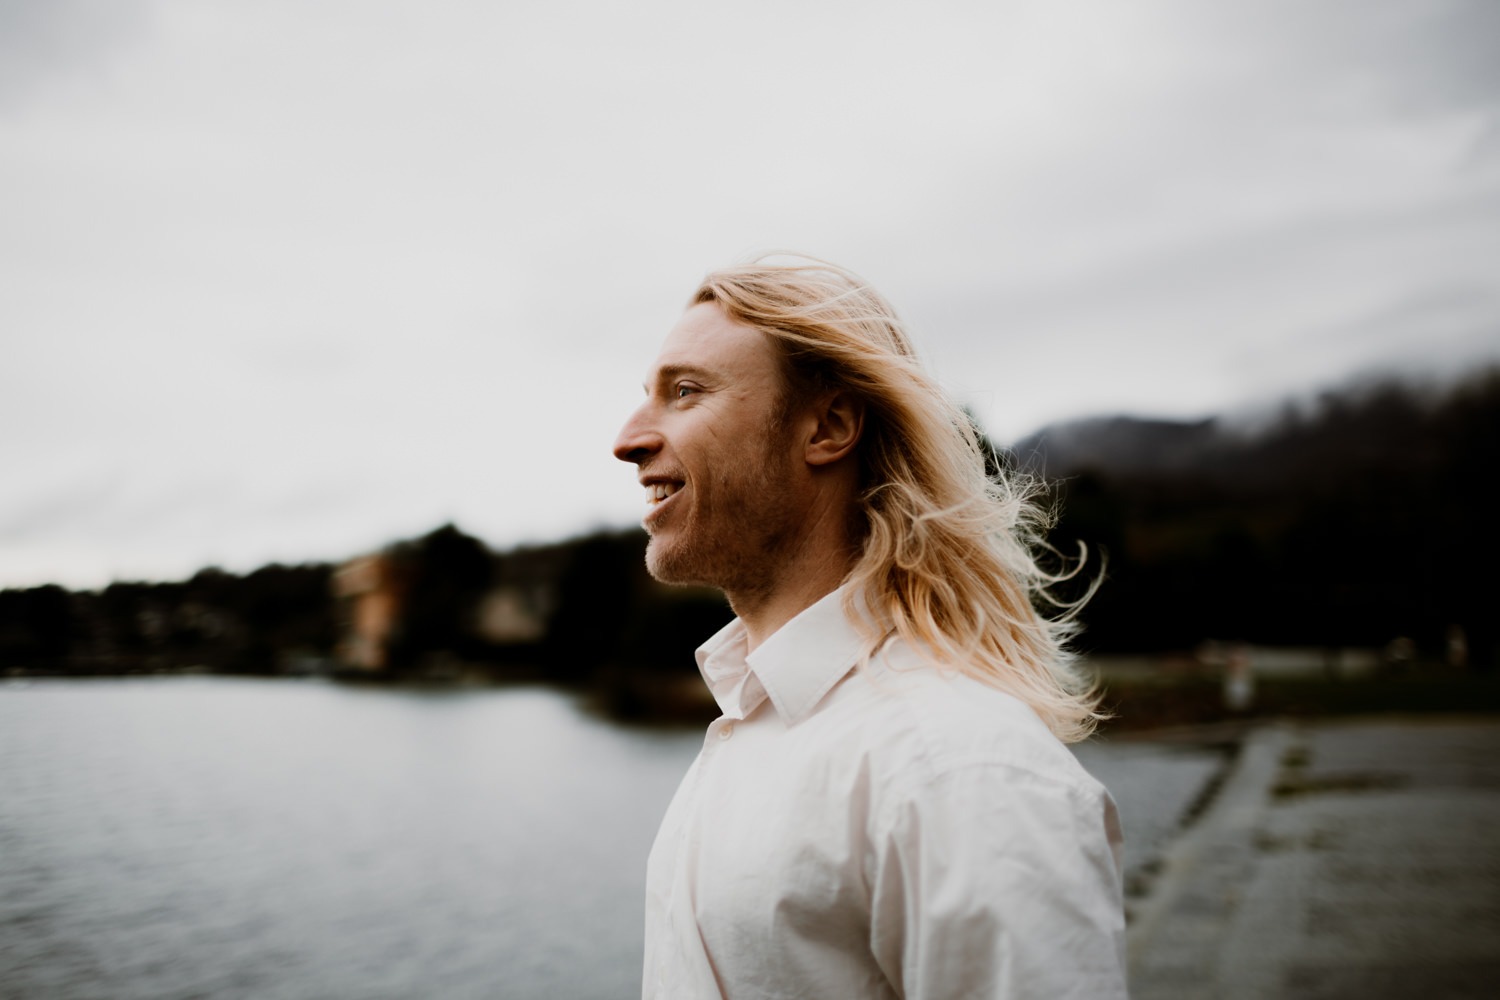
[738,543]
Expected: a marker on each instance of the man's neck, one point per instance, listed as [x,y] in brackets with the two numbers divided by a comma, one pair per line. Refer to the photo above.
[805,568]
[799,585]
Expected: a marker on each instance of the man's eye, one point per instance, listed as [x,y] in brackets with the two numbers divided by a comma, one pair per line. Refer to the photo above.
[685,390]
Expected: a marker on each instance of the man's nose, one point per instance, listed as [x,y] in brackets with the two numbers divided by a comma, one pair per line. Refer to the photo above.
[638,439]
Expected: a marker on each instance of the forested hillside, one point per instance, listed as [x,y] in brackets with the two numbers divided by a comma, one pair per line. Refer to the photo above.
[1365,516]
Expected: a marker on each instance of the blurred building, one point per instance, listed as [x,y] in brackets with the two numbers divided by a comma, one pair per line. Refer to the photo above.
[445,597]
[368,594]
[517,609]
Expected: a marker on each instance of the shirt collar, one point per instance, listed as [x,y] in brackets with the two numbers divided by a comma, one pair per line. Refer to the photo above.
[796,667]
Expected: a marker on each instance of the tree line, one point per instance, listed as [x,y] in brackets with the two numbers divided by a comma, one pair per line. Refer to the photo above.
[1351,521]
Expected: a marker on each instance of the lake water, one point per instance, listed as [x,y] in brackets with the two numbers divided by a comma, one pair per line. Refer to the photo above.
[174,838]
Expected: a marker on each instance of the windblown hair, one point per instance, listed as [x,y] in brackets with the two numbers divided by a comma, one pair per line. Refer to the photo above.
[951,551]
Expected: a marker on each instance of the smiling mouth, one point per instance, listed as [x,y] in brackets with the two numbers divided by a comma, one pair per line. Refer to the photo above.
[657,492]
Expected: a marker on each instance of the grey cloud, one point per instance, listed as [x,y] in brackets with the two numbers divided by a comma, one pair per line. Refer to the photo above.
[1404,57]
[119,503]
[61,506]
[1217,267]
[43,39]
[1440,330]
[1440,55]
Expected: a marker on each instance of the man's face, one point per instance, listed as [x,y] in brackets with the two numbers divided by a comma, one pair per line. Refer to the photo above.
[720,471]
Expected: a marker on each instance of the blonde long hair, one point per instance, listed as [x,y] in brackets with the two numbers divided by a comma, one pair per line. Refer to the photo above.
[950,556]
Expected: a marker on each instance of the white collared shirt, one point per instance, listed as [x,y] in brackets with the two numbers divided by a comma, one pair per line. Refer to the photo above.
[883,830]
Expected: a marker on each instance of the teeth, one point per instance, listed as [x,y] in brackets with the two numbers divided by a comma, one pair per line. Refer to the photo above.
[657,492]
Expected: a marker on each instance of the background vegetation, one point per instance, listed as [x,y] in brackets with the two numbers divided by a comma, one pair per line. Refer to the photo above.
[1364,517]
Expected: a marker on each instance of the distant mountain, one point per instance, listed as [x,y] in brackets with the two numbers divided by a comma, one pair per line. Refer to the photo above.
[1389,425]
[1116,445]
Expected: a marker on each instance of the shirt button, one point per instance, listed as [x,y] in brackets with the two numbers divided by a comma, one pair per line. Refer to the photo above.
[726,732]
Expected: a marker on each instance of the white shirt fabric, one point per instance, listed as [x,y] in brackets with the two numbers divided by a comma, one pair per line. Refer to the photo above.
[879,830]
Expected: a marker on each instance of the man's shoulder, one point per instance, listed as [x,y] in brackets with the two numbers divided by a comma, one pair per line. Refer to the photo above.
[917,721]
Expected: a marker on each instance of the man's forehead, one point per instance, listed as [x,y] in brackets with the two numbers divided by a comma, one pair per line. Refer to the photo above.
[706,342]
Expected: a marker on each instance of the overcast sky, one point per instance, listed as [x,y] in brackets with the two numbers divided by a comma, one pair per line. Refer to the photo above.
[289,280]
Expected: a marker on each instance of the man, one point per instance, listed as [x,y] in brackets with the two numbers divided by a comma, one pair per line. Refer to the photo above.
[885,807]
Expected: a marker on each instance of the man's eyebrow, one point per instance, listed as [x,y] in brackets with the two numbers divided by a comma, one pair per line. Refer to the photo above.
[667,373]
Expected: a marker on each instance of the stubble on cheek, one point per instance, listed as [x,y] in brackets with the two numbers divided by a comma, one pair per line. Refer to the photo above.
[735,534]
[681,549]
[740,515]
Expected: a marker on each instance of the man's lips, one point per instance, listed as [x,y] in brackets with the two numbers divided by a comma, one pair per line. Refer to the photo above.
[659,493]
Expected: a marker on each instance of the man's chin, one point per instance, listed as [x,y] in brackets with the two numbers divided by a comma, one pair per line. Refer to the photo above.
[669,564]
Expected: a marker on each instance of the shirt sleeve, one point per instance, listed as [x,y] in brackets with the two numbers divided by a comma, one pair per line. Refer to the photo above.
[991,881]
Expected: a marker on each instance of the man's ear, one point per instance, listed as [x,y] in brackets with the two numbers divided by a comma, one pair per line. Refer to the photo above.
[841,420]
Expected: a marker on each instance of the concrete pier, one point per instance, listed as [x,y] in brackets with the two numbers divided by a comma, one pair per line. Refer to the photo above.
[1338,859]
